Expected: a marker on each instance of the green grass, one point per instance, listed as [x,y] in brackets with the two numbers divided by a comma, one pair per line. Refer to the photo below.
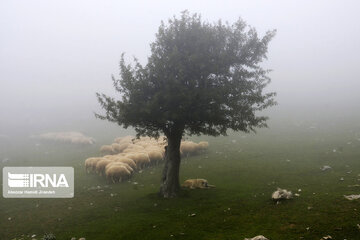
[245,171]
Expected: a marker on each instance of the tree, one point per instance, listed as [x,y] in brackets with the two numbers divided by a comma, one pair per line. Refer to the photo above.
[201,78]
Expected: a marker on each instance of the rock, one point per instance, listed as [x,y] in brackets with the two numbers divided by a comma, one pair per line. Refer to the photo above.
[328,237]
[82,238]
[259,237]
[324,168]
[280,194]
[352,197]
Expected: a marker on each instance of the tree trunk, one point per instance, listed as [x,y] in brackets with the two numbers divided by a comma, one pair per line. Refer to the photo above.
[170,184]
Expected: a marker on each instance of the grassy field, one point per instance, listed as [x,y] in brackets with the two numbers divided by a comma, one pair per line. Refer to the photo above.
[245,168]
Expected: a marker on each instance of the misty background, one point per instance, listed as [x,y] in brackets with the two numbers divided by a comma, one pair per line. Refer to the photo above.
[54,56]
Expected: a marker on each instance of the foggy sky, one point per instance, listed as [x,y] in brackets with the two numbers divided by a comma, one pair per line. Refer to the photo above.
[54,55]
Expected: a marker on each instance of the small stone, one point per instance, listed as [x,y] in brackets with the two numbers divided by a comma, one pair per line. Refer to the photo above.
[260,237]
[328,237]
[324,168]
[352,197]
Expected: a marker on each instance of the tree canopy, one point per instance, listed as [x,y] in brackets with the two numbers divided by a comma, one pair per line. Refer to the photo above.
[204,78]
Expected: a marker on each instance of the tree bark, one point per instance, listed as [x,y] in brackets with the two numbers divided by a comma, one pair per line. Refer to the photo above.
[170,184]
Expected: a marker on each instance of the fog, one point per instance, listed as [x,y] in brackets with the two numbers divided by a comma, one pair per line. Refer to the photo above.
[54,55]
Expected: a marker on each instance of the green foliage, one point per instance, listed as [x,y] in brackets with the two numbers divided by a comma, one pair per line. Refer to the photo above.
[201,78]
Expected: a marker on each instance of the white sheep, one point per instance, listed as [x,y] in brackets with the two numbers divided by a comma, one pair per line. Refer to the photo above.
[203,145]
[117,173]
[100,166]
[90,164]
[141,159]
[155,156]
[106,149]
[133,154]
[127,166]
[126,160]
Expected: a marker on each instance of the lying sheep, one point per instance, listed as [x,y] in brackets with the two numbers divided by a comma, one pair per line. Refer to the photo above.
[197,183]
[117,173]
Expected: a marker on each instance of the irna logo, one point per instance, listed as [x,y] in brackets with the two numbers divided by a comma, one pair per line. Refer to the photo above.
[37,180]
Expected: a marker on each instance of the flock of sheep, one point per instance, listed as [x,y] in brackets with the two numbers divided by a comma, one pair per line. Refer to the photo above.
[66,137]
[127,155]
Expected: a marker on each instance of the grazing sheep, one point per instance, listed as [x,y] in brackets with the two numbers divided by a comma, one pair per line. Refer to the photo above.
[116,148]
[133,148]
[117,173]
[130,169]
[141,159]
[126,160]
[66,137]
[188,147]
[123,146]
[126,139]
[90,164]
[100,166]
[133,154]
[203,145]
[106,149]
[196,183]
[155,156]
